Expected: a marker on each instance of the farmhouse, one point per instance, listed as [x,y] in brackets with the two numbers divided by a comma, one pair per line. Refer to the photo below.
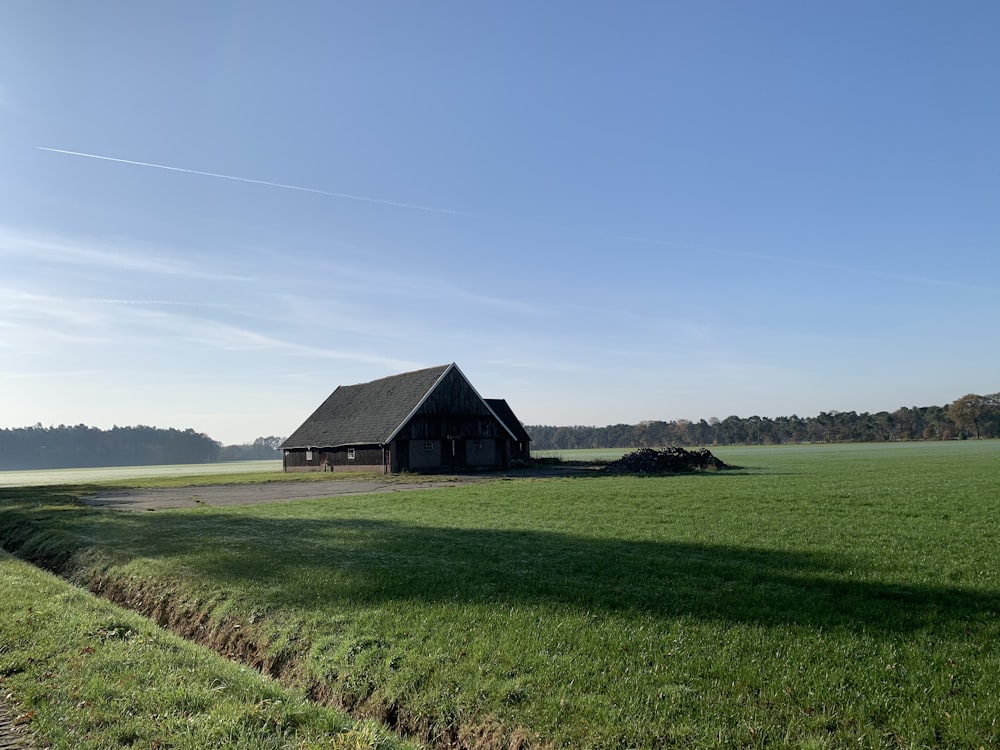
[429,420]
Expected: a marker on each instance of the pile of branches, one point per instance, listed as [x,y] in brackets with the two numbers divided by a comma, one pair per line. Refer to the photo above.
[672,460]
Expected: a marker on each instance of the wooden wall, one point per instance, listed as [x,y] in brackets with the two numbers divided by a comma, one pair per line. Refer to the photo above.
[453,410]
[366,458]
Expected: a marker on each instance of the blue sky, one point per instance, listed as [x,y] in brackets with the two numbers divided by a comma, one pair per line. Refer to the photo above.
[603,212]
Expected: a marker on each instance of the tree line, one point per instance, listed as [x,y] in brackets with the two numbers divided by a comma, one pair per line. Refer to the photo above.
[972,416]
[263,448]
[80,446]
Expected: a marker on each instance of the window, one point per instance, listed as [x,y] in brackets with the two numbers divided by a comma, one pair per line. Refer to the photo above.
[428,447]
[478,445]
[309,455]
[350,454]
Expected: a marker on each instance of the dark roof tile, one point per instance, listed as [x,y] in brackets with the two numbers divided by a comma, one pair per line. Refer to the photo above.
[366,413]
[506,415]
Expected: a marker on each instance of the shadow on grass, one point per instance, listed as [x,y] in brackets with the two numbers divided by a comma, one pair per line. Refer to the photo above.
[596,470]
[292,563]
[310,562]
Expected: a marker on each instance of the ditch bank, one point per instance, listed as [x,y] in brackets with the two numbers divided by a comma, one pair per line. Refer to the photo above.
[279,650]
[274,647]
[11,736]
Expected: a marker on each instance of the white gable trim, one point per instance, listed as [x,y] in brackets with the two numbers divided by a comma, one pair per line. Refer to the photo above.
[420,403]
[431,390]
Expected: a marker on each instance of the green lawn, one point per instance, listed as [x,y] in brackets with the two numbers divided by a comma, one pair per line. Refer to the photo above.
[820,596]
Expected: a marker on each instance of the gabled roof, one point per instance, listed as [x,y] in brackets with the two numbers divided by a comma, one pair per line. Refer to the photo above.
[366,413]
[506,415]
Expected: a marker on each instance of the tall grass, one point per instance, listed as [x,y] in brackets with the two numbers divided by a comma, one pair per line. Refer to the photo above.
[841,596]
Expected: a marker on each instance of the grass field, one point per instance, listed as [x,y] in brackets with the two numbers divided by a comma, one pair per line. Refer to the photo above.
[48,477]
[583,454]
[818,597]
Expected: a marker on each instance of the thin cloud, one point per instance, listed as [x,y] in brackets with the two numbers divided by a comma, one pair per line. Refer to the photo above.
[249,180]
[81,252]
[42,323]
[29,321]
[633,239]
[424,287]
[20,305]
[29,338]
[61,375]
[434,290]
[221,336]
[233,338]
[159,303]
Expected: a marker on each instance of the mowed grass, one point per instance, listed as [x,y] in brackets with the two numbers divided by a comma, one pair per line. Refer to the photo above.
[819,597]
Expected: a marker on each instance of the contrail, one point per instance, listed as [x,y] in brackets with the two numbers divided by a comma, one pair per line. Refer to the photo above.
[801,262]
[267,183]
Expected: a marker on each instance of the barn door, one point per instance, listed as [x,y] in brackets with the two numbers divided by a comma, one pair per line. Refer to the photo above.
[453,457]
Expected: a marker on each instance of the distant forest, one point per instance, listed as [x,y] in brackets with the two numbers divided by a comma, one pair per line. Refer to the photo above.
[65,447]
[972,416]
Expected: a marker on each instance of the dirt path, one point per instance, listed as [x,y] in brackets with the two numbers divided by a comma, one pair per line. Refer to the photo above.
[219,495]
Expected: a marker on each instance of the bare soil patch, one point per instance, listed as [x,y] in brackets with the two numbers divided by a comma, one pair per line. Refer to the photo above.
[220,495]
[10,737]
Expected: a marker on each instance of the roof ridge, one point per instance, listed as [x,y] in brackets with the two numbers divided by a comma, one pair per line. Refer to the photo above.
[346,407]
[400,375]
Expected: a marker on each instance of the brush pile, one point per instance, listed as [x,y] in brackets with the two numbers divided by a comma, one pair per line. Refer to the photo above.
[672,460]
